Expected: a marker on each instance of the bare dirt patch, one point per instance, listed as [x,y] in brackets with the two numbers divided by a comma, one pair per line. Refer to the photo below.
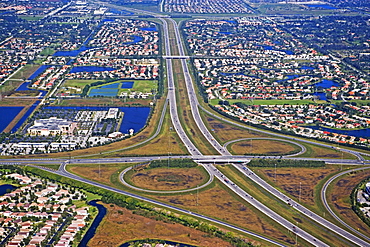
[121,225]
[266,147]
[339,198]
[297,180]
[168,179]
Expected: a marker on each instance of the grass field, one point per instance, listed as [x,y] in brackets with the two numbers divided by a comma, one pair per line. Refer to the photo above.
[167,178]
[121,225]
[16,102]
[101,173]
[214,200]
[25,72]
[291,179]
[338,196]
[313,151]
[144,86]
[263,147]
[284,209]
[220,203]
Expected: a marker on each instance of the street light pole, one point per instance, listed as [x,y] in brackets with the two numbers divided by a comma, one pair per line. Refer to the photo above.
[300,190]
[275,173]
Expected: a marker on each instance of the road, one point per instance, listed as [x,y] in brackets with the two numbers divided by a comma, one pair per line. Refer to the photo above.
[193,100]
[172,96]
[65,173]
[326,204]
[356,153]
[297,206]
[123,181]
[264,209]
[197,155]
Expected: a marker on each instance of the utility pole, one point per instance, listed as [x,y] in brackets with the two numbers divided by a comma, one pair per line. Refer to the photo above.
[197,194]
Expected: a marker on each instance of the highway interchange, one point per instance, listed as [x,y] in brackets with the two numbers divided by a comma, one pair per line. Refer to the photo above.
[224,157]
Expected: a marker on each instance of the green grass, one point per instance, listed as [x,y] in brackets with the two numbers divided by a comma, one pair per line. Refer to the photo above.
[78,83]
[31,18]
[52,166]
[47,51]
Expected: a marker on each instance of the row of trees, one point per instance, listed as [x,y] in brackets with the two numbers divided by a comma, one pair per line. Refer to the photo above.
[143,208]
[356,206]
[285,163]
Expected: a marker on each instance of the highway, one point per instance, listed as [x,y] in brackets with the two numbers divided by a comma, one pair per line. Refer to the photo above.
[326,204]
[172,96]
[62,171]
[357,154]
[264,209]
[194,103]
[225,157]
[297,206]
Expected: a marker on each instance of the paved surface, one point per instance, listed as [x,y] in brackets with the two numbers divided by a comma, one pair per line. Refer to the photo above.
[297,206]
[326,204]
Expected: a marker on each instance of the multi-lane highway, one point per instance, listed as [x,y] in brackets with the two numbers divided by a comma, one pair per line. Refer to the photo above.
[172,95]
[193,100]
[297,206]
[225,157]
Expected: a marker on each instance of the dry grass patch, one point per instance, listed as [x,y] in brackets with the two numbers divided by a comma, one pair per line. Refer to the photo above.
[121,225]
[226,132]
[291,179]
[99,173]
[168,179]
[219,203]
[265,147]
[339,199]
[323,152]
[16,102]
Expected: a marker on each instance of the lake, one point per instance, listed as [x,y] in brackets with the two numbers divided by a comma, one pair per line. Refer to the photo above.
[326,84]
[134,117]
[24,117]
[72,53]
[90,69]
[150,29]
[365,133]
[5,188]
[91,232]
[323,6]
[8,113]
